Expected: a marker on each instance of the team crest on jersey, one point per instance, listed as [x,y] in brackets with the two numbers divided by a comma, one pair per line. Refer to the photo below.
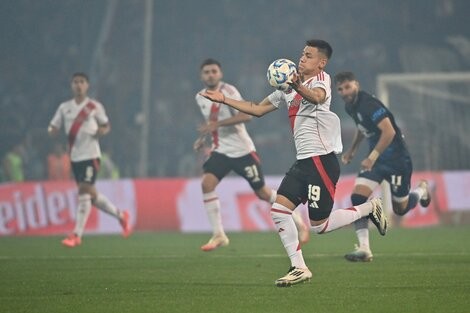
[364,131]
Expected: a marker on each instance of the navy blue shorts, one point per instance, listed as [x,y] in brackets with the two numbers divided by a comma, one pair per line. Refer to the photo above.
[86,171]
[396,172]
[312,180]
[247,166]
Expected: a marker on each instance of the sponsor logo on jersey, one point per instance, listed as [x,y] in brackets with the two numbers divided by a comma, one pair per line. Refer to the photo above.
[297,102]
[379,113]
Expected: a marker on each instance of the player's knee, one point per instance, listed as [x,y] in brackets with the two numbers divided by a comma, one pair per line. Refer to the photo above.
[87,189]
[399,209]
[318,219]
[357,199]
[263,194]
[319,227]
[209,182]
[207,186]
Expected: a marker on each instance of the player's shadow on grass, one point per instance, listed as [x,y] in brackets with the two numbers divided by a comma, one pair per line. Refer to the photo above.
[213,284]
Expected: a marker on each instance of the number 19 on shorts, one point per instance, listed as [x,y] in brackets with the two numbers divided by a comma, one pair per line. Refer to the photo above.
[313,195]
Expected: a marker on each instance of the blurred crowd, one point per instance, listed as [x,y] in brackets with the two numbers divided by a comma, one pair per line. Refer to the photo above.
[48,40]
[22,163]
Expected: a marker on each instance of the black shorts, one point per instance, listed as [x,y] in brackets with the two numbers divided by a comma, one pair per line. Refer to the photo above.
[247,166]
[86,171]
[313,180]
[397,172]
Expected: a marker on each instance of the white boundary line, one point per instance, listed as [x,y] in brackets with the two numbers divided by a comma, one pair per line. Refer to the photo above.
[222,256]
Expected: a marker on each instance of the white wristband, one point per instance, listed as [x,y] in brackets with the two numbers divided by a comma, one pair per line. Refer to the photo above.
[374,155]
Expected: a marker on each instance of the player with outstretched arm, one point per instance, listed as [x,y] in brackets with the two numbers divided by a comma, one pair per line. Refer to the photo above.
[232,150]
[313,177]
[84,121]
[388,158]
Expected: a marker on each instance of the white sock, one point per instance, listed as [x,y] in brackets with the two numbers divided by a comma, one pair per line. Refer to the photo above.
[364,209]
[83,211]
[273,196]
[105,205]
[282,218]
[212,206]
[419,191]
[363,237]
[298,220]
[343,217]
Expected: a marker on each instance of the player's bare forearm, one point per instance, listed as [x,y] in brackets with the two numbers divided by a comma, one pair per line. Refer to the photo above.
[211,126]
[236,119]
[315,95]
[358,137]
[349,155]
[384,141]
[247,107]
[251,108]
[52,131]
[199,142]
[386,137]
[103,130]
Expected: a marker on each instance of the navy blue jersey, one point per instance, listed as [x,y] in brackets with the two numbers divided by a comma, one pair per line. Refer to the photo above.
[368,112]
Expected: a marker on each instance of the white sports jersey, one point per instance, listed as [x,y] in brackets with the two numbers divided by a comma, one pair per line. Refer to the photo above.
[316,130]
[233,141]
[86,144]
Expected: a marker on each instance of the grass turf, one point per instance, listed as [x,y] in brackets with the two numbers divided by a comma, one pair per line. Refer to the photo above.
[423,270]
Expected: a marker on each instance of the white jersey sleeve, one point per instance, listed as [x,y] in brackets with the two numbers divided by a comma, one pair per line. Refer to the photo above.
[277,98]
[100,114]
[57,119]
[236,94]
[233,93]
[322,81]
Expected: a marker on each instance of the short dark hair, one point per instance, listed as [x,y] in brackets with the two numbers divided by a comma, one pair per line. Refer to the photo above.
[342,77]
[322,46]
[210,61]
[81,74]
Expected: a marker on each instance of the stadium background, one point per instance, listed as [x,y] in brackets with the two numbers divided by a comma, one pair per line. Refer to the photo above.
[42,42]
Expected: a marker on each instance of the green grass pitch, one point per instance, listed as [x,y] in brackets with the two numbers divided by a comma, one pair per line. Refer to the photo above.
[421,270]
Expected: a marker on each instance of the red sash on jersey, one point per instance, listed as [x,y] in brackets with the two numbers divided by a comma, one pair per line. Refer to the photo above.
[78,122]
[295,106]
[213,117]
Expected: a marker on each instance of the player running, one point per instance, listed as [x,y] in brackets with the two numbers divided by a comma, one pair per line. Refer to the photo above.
[232,149]
[388,158]
[313,176]
[84,121]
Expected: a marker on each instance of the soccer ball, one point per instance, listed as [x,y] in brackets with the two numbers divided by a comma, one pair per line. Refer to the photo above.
[280,73]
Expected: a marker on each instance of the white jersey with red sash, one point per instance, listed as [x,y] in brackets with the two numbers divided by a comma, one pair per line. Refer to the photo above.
[81,122]
[316,130]
[233,141]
